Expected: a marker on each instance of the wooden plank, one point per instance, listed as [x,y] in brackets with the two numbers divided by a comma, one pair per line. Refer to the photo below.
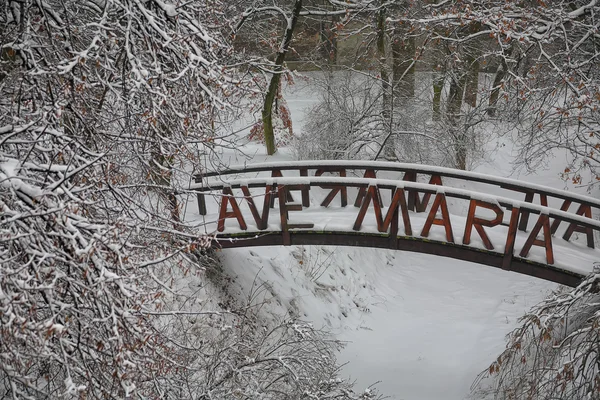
[200,196]
[400,167]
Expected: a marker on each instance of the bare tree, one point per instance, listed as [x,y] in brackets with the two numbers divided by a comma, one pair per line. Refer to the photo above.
[104,107]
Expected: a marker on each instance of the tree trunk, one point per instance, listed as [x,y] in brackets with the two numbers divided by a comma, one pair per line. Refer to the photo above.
[267,113]
[389,142]
[459,136]
[438,86]
[403,53]
[472,69]
[328,38]
[472,81]
[497,85]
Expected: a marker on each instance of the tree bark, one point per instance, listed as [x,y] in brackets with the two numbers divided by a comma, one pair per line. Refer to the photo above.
[386,97]
[403,53]
[267,113]
[472,80]
[438,86]
[459,136]
[497,85]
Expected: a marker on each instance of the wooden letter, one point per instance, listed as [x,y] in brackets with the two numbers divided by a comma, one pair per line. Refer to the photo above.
[439,202]
[276,173]
[510,239]
[391,217]
[235,213]
[542,222]
[565,207]
[529,199]
[261,220]
[369,173]
[334,189]
[479,223]
[414,202]
[584,210]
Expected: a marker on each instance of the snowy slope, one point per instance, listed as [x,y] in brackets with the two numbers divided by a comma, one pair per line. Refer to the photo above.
[424,326]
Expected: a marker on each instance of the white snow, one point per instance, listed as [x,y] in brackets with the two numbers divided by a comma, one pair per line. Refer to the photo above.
[421,325]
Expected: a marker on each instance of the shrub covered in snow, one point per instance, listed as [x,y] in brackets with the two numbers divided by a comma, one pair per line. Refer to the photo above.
[554,353]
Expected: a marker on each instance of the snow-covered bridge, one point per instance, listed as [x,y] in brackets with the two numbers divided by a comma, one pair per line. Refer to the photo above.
[446,212]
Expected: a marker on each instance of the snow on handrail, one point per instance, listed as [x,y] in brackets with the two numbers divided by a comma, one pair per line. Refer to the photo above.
[389,183]
[404,167]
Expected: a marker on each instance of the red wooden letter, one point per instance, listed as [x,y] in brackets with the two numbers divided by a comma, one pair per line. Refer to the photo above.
[542,222]
[479,223]
[235,213]
[573,227]
[439,202]
[398,200]
[510,239]
[414,202]
[370,173]
[371,194]
[334,189]
[261,220]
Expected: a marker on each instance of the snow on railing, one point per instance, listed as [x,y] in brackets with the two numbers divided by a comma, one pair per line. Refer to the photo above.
[406,195]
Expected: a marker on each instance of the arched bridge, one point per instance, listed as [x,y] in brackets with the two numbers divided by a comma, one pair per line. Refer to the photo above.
[500,222]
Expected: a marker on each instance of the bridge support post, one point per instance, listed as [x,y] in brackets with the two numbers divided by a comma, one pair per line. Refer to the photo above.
[394,225]
[200,196]
[285,208]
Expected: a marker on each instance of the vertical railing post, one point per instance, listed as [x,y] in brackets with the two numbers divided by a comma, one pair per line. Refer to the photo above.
[200,195]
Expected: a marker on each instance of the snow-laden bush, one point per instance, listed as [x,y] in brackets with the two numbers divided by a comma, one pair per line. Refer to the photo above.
[92,303]
[340,126]
[350,122]
[554,353]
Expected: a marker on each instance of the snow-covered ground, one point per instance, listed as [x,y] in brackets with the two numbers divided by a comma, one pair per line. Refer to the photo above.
[420,325]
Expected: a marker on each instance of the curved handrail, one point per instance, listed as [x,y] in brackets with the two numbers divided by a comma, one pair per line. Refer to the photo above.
[393,184]
[336,165]
[388,220]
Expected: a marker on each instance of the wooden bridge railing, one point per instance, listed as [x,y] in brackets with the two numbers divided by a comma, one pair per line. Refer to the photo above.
[586,204]
[406,195]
